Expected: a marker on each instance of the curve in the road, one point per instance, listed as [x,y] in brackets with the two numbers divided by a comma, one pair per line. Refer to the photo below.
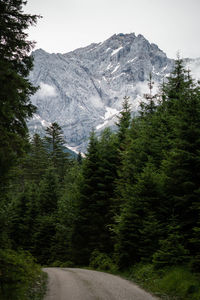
[80,284]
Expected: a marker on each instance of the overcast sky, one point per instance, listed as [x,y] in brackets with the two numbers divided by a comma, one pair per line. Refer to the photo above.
[174,25]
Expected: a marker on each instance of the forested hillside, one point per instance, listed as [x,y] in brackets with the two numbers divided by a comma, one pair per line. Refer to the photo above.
[133,199]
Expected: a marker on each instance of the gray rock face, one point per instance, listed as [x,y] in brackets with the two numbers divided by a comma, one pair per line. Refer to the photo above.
[84,89]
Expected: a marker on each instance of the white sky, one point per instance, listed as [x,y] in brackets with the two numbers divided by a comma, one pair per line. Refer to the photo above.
[174,25]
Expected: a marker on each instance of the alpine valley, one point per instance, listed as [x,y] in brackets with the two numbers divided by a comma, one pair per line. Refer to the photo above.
[84,89]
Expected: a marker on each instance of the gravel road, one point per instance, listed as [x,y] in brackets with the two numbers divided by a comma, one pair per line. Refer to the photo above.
[79,284]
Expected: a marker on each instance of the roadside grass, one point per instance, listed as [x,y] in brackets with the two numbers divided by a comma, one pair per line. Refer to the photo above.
[174,283]
[38,289]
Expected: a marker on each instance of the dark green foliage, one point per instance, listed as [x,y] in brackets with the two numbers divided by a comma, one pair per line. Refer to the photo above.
[171,251]
[37,161]
[18,276]
[101,261]
[79,158]
[18,272]
[91,230]
[159,177]
[149,107]
[86,229]
[15,89]
[68,214]
[54,143]
[46,220]
[25,208]
[49,192]
[167,283]
[123,123]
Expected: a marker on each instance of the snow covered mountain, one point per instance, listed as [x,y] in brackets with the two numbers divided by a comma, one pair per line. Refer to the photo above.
[84,89]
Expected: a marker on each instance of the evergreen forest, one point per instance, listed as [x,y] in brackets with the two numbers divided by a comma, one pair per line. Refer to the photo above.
[131,202]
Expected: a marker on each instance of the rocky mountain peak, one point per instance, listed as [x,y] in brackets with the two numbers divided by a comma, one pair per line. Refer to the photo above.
[84,89]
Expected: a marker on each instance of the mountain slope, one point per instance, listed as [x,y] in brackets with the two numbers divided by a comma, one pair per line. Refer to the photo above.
[84,89]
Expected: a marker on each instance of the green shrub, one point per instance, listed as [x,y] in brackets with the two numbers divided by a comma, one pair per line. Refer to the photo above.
[66,264]
[168,283]
[145,275]
[20,276]
[101,261]
[181,283]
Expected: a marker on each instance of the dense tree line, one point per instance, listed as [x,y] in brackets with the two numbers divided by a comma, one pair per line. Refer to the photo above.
[134,197]
[18,272]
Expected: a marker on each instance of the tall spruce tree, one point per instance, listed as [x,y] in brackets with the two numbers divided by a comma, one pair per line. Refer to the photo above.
[181,164]
[15,91]
[46,220]
[124,120]
[34,164]
[85,234]
[54,143]
[91,230]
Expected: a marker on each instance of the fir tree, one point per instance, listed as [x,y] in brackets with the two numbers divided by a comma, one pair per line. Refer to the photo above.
[54,142]
[85,233]
[123,123]
[15,91]
[181,163]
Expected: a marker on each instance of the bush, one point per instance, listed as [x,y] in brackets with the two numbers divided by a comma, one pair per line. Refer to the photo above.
[101,261]
[168,283]
[66,264]
[181,283]
[20,276]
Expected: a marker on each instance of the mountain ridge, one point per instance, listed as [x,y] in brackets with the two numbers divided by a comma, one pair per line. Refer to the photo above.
[84,89]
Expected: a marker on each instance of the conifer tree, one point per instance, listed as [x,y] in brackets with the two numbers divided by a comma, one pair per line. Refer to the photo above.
[149,106]
[54,142]
[35,163]
[99,172]
[15,91]
[25,209]
[85,234]
[68,213]
[46,220]
[181,164]
[124,119]
[171,251]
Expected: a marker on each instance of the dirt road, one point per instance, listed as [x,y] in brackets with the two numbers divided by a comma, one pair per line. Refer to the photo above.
[79,284]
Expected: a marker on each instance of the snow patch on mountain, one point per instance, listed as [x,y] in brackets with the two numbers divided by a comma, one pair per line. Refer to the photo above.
[116,51]
[110,112]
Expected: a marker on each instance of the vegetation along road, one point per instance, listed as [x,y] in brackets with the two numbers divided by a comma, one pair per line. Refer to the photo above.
[79,284]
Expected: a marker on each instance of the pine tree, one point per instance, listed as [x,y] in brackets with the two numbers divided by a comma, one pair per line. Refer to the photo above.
[79,158]
[132,227]
[99,172]
[123,123]
[181,164]
[171,251]
[85,233]
[34,164]
[15,91]
[68,213]
[149,106]
[25,209]
[46,220]
[54,142]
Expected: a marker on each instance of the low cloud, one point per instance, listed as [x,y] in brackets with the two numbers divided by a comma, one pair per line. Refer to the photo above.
[46,90]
